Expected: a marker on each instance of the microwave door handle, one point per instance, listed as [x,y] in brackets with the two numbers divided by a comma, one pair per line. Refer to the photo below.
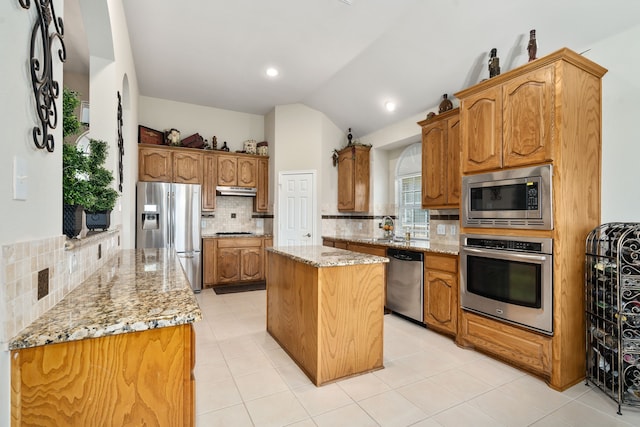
[508,255]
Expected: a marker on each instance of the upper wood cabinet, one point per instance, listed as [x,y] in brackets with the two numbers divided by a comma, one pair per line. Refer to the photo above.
[261,201]
[441,177]
[509,124]
[164,164]
[210,180]
[353,178]
[237,171]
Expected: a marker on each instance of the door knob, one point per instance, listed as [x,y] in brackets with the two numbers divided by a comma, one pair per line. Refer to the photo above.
[307,235]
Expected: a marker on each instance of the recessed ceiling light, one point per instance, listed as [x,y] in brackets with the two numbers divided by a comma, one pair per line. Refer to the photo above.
[272,72]
[390,106]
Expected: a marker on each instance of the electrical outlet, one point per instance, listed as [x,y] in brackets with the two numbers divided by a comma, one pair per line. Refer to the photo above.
[233,215]
[43,283]
[441,230]
[359,226]
[453,229]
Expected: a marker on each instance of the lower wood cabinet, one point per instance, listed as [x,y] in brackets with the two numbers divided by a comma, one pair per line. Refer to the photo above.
[138,378]
[441,292]
[234,260]
[517,346]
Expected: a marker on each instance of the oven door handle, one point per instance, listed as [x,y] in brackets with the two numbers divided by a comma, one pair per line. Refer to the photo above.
[506,254]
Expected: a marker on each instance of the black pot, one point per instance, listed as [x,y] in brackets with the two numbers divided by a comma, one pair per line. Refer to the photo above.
[71,220]
[98,220]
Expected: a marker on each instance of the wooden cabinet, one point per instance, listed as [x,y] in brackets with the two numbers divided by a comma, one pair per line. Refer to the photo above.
[510,124]
[441,177]
[353,179]
[261,202]
[367,249]
[237,171]
[547,111]
[209,181]
[232,260]
[441,293]
[164,164]
[142,378]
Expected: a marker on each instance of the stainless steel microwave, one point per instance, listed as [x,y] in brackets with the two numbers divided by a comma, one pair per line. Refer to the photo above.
[513,198]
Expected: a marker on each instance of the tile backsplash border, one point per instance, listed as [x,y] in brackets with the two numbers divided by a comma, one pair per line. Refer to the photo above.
[70,262]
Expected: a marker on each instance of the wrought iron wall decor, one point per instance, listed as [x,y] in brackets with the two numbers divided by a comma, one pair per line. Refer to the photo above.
[120,143]
[45,89]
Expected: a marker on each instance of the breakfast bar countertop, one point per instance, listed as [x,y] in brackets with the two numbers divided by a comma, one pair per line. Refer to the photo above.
[137,290]
[323,256]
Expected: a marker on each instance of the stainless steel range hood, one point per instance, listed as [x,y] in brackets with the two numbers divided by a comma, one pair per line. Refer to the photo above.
[236,191]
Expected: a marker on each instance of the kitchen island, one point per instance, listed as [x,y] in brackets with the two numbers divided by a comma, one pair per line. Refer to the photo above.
[117,350]
[325,307]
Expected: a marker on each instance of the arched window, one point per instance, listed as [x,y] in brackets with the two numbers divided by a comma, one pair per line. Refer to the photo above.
[410,216]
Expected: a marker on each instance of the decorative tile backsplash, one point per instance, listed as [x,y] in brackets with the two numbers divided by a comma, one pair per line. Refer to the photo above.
[69,262]
[234,213]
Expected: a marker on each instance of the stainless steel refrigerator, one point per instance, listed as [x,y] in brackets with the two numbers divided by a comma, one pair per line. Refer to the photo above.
[168,216]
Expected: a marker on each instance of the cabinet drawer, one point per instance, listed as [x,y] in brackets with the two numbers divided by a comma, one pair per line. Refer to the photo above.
[250,242]
[443,263]
[527,350]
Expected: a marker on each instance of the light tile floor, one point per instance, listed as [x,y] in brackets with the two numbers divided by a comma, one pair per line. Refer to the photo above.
[244,378]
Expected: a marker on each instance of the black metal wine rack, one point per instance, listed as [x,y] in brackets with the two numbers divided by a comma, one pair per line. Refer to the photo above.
[612,279]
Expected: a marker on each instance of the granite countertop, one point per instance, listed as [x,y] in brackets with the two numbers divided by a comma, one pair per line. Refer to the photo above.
[134,291]
[417,245]
[322,256]
[213,235]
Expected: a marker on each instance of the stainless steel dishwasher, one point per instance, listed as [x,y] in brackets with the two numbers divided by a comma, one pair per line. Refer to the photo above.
[404,283]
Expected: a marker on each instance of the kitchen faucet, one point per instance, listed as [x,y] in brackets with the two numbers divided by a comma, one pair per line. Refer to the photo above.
[388,226]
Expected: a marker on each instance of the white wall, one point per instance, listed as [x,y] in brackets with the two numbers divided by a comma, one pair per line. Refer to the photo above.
[230,126]
[620,134]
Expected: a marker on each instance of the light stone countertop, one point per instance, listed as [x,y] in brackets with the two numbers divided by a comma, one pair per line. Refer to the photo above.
[136,290]
[323,256]
[417,245]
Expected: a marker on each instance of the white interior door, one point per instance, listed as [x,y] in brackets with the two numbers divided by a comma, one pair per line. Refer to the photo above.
[297,209]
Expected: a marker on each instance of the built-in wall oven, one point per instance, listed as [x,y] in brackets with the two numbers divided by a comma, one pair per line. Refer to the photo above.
[508,278]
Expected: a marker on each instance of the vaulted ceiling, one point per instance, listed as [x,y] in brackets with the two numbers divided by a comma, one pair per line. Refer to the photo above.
[346,58]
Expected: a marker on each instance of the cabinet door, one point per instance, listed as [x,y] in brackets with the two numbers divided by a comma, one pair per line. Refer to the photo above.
[481,131]
[227,170]
[251,264]
[528,115]
[434,158]
[210,180]
[247,172]
[154,164]
[187,167]
[440,300]
[208,262]
[227,265]
[454,176]
[346,182]
[262,197]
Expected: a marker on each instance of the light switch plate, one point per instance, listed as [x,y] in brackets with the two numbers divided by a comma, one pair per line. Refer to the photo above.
[20,176]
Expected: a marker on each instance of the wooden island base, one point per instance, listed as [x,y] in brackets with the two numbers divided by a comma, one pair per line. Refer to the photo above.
[328,319]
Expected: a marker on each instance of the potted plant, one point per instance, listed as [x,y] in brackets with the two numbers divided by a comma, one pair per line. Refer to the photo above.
[100,205]
[75,189]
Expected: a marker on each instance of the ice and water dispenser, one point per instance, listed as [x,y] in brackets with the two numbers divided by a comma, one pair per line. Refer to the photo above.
[150,217]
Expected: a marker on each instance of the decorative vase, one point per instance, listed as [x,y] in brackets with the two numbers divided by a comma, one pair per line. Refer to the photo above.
[71,220]
[445,105]
[98,220]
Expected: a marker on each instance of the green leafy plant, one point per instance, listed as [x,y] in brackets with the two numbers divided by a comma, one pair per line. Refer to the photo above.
[75,187]
[70,122]
[100,179]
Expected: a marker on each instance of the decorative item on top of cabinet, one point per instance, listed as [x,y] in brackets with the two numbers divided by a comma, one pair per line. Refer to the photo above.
[353,178]
[441,177]
[613,311]
[445,104]
[532,47]
[494,63]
